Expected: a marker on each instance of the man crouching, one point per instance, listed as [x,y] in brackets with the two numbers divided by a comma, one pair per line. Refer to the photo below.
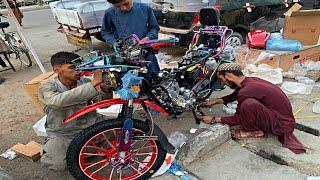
[62,96]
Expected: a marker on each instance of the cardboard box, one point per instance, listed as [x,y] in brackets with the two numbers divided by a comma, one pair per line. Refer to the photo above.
[32,88]
[31,151]
[245,56]
[286,61]
[302,25]
[283,60]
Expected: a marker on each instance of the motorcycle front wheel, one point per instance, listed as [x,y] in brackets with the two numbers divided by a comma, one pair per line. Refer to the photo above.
[93,154]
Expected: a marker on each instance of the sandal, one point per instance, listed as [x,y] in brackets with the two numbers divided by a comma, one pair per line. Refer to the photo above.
[240,134]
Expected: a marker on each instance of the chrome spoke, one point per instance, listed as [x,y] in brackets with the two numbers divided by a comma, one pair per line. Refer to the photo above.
[135,169]
[99,169]
[92,154]
[94,164]
[141,154]
[141,163]
[110,177]
[95,147]
[106,139]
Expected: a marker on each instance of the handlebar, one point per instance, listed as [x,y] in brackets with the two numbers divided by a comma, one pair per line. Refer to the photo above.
[154,42]
[160,45]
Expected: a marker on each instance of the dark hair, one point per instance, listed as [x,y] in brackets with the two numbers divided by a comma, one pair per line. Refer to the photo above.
[234,72]
[115,1]
[61,58]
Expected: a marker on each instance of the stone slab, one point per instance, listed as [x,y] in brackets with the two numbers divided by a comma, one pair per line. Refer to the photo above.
[203,143]
[231,161]
[271,148]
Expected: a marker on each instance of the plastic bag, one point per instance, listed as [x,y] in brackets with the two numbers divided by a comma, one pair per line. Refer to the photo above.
[276,36]
[39,127]
[177,170]
[283,45]
[230,108]
[311,65]
[297,70]
[264,72]
[304,80]
[296,88]
[177,139]
[9,154]
[316,107]
[246,56]
[129,80]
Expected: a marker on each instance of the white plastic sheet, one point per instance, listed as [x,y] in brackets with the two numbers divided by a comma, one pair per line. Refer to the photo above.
[112,111]
[39,127]
[291,88]
[231,107]
[316,107]
[264,72]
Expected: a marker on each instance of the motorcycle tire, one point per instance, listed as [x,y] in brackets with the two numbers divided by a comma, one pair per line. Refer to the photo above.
[78,158]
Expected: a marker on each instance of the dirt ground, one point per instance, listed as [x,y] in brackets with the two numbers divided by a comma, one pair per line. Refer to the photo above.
[17,117]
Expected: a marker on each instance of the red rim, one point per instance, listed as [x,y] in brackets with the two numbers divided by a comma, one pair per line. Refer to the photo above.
[99,157]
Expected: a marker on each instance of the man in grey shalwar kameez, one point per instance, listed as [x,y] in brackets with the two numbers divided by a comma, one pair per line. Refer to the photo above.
[63,96]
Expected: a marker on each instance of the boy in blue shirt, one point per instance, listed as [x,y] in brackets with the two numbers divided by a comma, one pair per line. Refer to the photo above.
[127,17]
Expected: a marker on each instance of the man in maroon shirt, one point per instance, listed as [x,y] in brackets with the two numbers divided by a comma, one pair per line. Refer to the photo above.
[262,108]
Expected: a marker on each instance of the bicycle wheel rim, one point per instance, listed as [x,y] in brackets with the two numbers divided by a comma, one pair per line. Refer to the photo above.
[105,167]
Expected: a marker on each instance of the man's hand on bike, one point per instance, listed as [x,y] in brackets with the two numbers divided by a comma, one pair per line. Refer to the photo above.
[211,103]
[97,78]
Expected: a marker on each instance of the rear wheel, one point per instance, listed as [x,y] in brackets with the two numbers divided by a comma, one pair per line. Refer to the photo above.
[93,154]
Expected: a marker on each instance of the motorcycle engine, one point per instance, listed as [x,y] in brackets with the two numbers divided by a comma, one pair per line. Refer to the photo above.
[174,97]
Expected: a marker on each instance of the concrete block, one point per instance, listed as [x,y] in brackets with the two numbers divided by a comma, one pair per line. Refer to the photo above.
[272,149]
[231,161]
[204,142]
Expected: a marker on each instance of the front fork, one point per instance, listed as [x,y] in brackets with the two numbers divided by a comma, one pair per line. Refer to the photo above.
[126,133]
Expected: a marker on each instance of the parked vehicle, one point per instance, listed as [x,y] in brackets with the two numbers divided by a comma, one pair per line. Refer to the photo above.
[311,4]
[181,17]
[14,44]
[81,19]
